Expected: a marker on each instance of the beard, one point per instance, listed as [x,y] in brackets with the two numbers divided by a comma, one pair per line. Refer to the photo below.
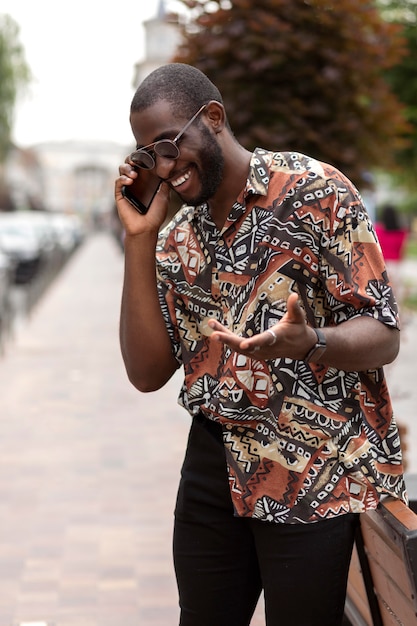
[210,169]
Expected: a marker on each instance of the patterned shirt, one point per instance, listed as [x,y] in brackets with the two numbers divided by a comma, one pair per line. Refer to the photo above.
[303,441]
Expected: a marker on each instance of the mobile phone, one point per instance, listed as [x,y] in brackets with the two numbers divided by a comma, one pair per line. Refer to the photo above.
[142,191]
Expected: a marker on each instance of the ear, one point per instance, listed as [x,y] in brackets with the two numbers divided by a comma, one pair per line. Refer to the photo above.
[216,116]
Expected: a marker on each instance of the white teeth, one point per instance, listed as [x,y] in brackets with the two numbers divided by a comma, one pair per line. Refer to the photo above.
[181,180]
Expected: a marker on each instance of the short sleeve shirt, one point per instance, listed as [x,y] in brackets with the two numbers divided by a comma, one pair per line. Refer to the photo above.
[303,441]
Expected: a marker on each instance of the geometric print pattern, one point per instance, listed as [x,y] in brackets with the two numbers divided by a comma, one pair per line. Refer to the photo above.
[303,441]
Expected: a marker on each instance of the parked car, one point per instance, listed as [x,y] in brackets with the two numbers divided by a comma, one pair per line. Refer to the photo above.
[36,239]
[21,244]
[6,280]
[68,230]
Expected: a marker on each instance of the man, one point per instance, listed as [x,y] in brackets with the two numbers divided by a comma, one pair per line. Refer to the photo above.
[268,287]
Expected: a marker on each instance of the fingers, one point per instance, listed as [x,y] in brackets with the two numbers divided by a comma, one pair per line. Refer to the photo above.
[163,191]
[127,176]
[264,342]
[217,326]
[222,333]
[273,335]
[128,169]
[261,343]
[294,314]
[134,220]
[284,339]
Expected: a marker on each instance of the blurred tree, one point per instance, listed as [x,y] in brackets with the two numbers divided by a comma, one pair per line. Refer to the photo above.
[303,75]
[403,80]
[401,10]
[14,76]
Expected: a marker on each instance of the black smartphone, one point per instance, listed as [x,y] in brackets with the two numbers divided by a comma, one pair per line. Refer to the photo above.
[142,191]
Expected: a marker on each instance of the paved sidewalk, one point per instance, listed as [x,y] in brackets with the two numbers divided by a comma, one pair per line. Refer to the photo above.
[85,540]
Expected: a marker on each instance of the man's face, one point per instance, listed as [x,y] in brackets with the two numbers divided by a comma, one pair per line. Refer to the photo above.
[210,168]
[198,171]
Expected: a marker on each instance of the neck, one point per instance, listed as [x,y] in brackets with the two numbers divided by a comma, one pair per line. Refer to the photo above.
[236,171]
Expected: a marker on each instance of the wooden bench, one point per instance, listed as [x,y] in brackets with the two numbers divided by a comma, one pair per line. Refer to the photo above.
[382,587]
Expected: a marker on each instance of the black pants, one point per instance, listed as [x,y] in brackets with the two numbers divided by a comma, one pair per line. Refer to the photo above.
[222,562]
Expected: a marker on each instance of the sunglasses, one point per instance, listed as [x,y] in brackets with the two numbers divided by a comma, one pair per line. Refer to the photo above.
[166,148]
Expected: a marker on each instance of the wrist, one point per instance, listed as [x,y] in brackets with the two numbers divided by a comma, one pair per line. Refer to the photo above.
[143,240]
[318,349]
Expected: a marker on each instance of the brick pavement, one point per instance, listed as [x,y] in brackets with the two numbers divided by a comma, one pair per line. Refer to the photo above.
[84,539]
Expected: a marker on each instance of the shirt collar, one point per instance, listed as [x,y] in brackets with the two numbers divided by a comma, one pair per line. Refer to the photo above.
[257,181]
[259,173]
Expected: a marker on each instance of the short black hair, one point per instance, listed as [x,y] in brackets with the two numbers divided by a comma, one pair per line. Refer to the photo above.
[185,87]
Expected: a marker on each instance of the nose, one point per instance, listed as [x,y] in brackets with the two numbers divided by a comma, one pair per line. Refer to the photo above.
[164,166]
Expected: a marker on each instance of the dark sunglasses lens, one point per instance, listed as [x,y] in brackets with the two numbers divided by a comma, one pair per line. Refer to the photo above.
[143,159]
[166,149]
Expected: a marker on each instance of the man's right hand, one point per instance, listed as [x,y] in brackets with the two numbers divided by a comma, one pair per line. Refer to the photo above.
[133,222]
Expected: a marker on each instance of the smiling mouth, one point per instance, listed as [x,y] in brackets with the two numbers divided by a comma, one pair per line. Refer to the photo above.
[181,179]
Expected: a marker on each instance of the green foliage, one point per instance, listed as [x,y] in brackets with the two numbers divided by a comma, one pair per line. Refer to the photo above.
[304,75]
[398,10]
[403,79]
[407,203]
[14,75]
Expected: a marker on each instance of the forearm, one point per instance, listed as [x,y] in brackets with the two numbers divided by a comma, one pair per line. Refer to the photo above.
[144,340]
[356,345]
[360,344]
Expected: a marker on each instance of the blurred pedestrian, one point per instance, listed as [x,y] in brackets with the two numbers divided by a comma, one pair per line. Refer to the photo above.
[393,239]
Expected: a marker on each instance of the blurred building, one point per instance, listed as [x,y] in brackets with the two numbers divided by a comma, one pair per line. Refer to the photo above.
[78,176]
[162,37]
[63,176]
[22,181]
